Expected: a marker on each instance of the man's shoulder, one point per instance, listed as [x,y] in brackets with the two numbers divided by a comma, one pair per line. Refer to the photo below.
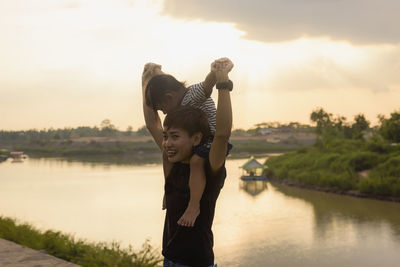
[220,173]
[215,181]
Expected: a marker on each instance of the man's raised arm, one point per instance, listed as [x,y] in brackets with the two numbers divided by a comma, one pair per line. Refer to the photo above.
[219,145]
[211,78]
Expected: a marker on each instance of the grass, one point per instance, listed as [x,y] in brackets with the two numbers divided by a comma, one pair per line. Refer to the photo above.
[336,164]
[384,179]
[263,146]
[80,252]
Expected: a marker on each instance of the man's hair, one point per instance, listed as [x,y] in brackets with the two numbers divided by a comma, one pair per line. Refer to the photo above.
[190,119]
[158,86]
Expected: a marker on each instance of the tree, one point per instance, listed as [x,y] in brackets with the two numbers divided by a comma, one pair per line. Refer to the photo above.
[107,128]
[238,132]
[329,126]
[261,125]
[322,118]
[106,124]
[129,131]
[142,131]
[360,124]
[390,128]
[294,125]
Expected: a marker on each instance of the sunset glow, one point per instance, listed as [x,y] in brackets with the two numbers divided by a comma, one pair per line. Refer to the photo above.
[71,63]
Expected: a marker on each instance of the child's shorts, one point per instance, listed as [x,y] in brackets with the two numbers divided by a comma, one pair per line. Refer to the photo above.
[203,149]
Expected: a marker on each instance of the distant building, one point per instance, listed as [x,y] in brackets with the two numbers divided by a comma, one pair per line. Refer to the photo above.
[16,154]
[264,131]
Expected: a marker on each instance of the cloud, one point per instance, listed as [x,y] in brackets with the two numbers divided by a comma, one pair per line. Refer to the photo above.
[357,21]
[379,73]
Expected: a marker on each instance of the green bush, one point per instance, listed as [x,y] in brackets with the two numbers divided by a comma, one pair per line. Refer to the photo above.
[335,163]
[360,161]
[389,168]
[343,145]
[383,186]
[376,144]
[78,251]
[340,152]
[311,167]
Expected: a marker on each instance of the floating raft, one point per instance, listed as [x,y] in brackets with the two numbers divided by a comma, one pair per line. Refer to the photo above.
[253,170]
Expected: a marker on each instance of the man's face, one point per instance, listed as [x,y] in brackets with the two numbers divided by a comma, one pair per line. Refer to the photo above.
[178,145]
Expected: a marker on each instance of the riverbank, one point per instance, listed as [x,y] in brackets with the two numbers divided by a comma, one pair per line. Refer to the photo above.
[14,255]
[351,193]
[141,146]
[67,248]
[368,169]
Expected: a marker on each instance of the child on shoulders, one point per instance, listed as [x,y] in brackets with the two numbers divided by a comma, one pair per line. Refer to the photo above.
[163,92]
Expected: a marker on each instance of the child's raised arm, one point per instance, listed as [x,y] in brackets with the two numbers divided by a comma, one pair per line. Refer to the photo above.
[211,78]
[209,83]
[224,117]
[151,118]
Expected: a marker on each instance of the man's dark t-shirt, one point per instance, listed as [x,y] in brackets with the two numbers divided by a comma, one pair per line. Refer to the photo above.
[191,246]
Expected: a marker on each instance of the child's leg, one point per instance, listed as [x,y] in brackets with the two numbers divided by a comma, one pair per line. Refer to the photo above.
[164,204]
[197,183]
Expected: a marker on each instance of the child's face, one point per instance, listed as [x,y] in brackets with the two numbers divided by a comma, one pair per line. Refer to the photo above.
[178,145]
[169,103]
[165,107]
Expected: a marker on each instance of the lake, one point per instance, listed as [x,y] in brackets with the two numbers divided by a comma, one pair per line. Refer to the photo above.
[256,223]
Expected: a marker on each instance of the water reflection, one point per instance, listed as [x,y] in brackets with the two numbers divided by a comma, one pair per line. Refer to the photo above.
[11,160]
[104,160]
[253,188]
[331,210]
[256,223]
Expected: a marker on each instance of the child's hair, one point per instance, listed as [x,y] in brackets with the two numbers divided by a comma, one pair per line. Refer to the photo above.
[159,85]
[190,119]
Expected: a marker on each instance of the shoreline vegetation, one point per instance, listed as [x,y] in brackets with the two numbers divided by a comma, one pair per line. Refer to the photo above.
[81,252]
[137,150]
[348,159]
[337,156]
[139,147]
[124,152]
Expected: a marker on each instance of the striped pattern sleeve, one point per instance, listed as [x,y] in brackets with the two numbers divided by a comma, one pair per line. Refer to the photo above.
[195,97]
[209,108]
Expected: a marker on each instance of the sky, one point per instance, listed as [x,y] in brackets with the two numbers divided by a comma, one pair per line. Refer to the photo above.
[70,63]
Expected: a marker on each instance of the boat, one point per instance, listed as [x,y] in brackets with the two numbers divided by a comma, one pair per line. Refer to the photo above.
[17,156]
[3,158]
[253,170]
